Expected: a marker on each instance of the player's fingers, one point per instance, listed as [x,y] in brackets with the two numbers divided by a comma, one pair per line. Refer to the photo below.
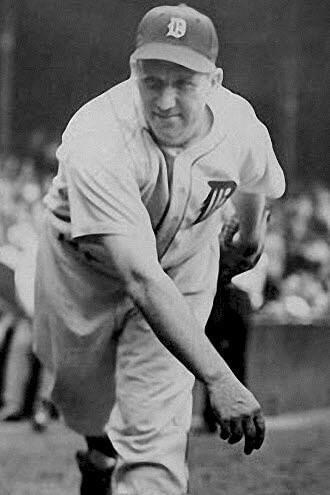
[236,431]
[260,427]
[224,429]
[250,435]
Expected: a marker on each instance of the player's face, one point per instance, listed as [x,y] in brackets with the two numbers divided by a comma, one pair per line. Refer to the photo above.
[174,100]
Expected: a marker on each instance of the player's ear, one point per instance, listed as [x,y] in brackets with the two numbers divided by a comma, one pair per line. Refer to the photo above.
[217,77]
[135,66]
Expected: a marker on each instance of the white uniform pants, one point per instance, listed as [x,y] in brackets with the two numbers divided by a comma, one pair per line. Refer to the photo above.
[111,372]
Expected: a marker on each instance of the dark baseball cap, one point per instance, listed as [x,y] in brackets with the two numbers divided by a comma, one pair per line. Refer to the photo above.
[178,34]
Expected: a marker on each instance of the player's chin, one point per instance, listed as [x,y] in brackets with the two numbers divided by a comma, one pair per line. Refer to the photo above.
[169,137]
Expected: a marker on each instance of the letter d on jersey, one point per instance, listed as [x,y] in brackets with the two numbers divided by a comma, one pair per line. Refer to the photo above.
[177,27]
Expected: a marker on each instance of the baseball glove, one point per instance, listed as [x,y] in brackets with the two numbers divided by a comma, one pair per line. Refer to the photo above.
[236,258]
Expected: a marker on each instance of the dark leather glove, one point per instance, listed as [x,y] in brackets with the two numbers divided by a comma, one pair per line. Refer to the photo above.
[239,257]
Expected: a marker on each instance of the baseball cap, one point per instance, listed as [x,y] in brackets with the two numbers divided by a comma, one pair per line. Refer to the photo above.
[178,34]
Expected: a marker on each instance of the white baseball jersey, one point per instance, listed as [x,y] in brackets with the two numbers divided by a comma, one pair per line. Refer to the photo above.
[114,179]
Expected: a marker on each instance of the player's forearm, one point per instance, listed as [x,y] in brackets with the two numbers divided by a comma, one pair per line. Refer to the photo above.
[172,320]
[162,304]
[249,209]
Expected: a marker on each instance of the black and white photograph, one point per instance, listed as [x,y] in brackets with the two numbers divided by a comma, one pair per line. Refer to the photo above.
[164,247]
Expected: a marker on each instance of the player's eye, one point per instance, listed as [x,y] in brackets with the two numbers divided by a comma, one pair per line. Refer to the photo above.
[152,83]
[185,84]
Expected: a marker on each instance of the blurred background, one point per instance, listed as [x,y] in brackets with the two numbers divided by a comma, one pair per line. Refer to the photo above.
[57,55]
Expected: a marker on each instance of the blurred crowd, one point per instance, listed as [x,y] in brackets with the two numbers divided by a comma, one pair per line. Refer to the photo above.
[297,251]
[24,179]
[291,283]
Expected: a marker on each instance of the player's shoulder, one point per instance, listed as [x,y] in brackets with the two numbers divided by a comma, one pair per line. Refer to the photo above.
[103,113]
[237,119]
[234,109]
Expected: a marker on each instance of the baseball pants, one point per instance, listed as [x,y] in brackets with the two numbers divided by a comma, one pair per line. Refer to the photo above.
[111,372]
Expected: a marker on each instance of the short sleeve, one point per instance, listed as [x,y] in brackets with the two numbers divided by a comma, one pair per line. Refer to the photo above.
[103,191]
[260,171]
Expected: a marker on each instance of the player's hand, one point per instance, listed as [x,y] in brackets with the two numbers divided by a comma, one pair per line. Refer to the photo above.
[237,413]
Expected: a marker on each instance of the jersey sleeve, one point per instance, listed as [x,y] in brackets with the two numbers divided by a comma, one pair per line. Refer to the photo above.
[260,171]
[104,195]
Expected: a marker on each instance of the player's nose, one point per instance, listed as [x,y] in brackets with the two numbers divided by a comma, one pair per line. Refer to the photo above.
[167,98]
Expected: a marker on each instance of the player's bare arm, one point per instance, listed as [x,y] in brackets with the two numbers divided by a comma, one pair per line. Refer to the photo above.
[170,317]
[249,209]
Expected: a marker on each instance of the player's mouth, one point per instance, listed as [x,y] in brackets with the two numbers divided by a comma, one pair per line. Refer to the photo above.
[166,117]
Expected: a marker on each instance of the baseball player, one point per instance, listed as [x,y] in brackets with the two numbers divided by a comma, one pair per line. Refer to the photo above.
[127,264]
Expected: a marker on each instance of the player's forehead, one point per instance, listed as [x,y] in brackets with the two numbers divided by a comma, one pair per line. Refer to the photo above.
[163,69]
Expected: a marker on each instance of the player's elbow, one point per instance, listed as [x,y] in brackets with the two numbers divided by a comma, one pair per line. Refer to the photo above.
[139,282]
[133,262]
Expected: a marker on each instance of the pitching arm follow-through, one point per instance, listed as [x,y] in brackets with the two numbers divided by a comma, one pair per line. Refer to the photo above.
[165,309]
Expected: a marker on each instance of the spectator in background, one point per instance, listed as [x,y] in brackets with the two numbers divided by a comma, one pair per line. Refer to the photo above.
[21,209]
[322,206]
[7,322]
[12,337]
[16,373]
[41,149]
[43,409]
[297,287]
[275,250]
